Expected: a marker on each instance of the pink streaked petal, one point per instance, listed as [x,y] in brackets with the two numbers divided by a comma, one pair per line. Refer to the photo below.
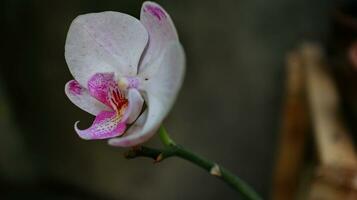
[125,140]
[161,92]
[74,88]
[161,31]
[135,106]
[106,125]
[81,98]
[99,86]
[104,42]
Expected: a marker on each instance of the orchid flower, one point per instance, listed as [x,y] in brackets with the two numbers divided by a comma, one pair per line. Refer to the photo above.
[127,72]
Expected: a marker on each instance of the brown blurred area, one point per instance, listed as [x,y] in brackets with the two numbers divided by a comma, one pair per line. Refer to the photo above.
[316,157]
[228,110]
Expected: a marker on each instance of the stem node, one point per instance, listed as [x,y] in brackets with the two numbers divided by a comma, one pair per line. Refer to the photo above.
[216,171]
[172,149]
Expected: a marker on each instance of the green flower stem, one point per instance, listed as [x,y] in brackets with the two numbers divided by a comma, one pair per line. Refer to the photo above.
[172,149]
[164,136]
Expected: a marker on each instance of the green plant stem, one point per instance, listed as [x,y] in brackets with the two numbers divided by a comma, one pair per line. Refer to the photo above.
[172,149]
[164,136]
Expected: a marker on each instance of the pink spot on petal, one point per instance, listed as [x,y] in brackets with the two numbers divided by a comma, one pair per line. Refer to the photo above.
[156,11]
[107,124]
[75,88]
[99,86]
[133,82]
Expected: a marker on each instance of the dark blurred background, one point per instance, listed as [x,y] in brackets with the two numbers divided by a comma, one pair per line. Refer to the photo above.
[228,109]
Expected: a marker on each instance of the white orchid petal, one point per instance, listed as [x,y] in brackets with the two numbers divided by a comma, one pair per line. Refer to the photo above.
[135,106]
[81,98]
[161,31]
[161,91]
[104,42]
[168,79]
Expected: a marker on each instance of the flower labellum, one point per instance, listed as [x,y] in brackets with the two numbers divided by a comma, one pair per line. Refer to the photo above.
[120,63]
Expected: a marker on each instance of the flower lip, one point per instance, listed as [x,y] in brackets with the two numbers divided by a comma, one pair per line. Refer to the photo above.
[107,124]
[99,86]
[126,105]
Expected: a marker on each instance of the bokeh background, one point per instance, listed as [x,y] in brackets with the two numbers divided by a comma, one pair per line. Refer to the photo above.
[228,109]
